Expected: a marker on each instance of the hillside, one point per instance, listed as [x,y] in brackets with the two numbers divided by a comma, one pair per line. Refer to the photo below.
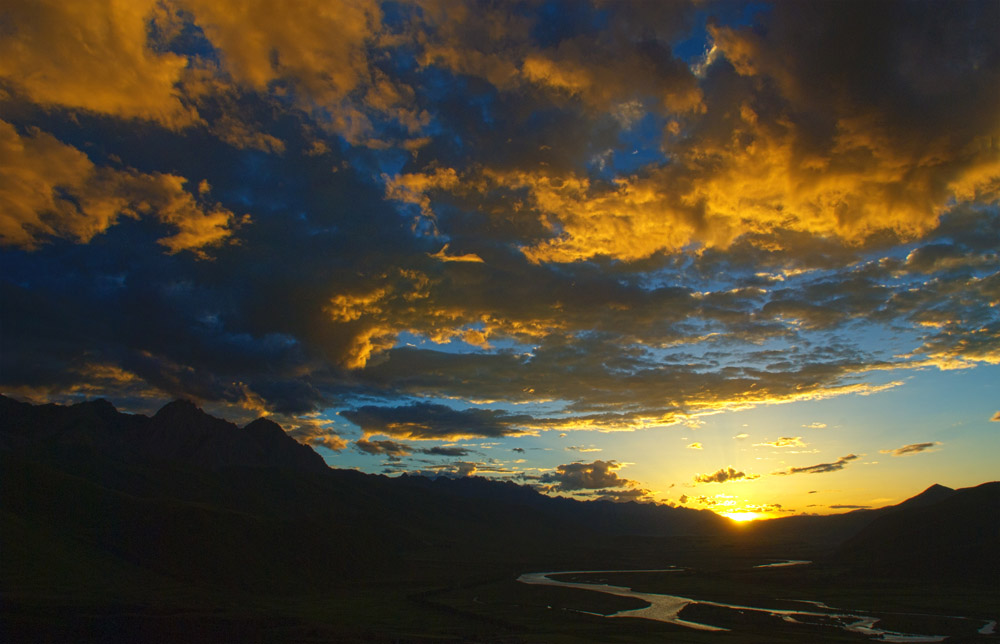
[193,497]
[833,529]
[955,537]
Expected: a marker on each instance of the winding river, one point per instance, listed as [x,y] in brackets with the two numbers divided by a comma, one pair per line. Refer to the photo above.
[667,608]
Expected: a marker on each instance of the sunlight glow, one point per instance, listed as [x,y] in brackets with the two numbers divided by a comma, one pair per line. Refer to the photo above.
[742,517]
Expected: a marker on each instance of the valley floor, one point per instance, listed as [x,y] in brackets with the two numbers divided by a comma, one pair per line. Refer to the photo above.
[431,598]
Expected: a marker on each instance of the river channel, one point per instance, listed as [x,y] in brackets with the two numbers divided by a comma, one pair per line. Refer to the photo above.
[667,608]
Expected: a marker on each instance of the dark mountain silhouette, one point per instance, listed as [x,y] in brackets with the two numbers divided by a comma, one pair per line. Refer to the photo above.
[610,517]
[833,529]
[179,432]
[940,534]
[138,516]
[192,497]
[932,495]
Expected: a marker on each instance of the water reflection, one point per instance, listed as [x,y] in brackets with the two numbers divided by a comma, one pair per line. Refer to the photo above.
[786,562]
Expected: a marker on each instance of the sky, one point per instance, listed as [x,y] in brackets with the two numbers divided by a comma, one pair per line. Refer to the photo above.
[722,255]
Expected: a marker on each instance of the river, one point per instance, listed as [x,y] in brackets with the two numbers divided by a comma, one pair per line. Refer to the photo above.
[667,608]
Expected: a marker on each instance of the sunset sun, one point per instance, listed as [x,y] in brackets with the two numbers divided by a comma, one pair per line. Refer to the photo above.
[743,517]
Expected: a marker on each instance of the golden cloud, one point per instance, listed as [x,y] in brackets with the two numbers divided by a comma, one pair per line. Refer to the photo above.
[604,81]
[318,44]
[756,184]
[50,189]
[744,159]
[316,49]
[92,56]
[445,257]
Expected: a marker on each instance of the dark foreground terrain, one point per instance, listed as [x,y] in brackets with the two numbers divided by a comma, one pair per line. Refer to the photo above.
[182,527]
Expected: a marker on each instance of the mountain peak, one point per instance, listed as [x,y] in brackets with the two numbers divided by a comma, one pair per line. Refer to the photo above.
[930,496]
[101,406]
[281,449]
[936,490]
[180,407]
[264,427]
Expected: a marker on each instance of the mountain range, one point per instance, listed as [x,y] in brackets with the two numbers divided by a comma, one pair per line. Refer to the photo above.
[96,500]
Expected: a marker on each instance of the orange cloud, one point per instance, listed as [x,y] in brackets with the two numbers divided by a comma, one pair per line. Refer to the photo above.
[495,44]
[744,160]
[50,189]
[92,56]
[757,183]
[604,82]
[319,45]
[445,257]
[317,49]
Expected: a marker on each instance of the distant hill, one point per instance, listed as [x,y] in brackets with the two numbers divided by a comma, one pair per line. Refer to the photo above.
[947,534]
[833,529]
[188,496]
[191,497]
[610,517]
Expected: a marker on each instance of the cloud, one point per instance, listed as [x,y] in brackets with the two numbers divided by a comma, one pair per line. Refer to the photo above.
[785,441]
[319,56]
[618,495]
[600,385]
[432,421]
[694,446]
[598,475]
[815,426]
[583,448]
[849,507]
[330,441]
[996,417]
[821,468]
[445,257]
[318,435]
[459,469]
[723,475]
[398,450]
[95,58]
[53,190]
[390,448]
[915,448]
[526,225]
[860,123]
[446,451]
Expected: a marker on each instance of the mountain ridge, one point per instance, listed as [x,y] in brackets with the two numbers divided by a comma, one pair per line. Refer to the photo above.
[84,506]
[954,535]
[179,431]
